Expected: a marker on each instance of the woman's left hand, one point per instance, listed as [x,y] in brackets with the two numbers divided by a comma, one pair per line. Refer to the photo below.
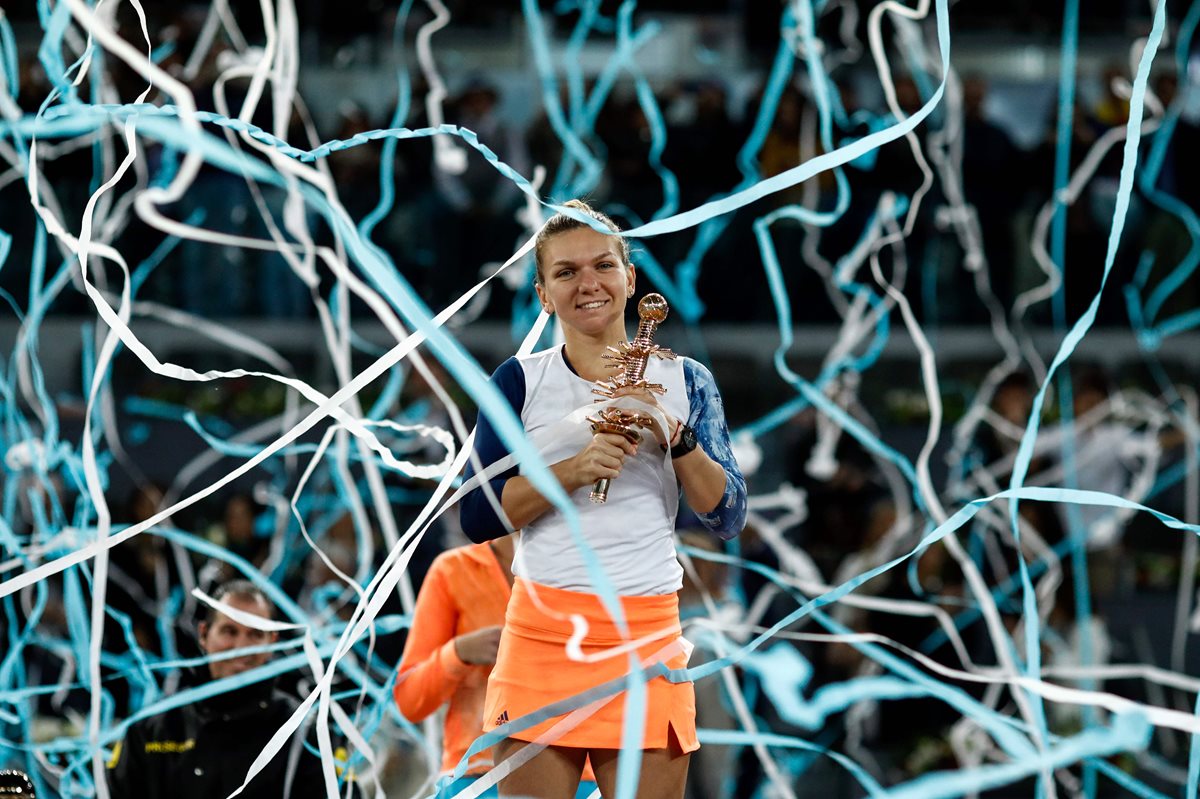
[650,398]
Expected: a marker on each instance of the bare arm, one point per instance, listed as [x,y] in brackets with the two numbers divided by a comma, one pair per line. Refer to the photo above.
[711,480]
[603,457]
[703,480]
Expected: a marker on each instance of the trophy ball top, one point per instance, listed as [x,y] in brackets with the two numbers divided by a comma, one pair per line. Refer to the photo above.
[653,307]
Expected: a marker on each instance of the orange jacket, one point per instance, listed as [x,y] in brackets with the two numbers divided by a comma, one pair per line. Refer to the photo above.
[466,589]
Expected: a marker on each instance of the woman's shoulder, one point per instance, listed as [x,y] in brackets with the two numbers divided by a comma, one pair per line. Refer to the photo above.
[548,355]
[509,377]
[696,375]
[523,362]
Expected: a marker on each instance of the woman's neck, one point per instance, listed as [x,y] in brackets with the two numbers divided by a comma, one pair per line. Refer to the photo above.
[586,354]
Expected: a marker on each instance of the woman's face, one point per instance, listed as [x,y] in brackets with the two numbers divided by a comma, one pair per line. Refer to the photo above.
[585,281]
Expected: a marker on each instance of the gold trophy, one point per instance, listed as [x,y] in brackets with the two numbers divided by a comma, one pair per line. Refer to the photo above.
[630,358]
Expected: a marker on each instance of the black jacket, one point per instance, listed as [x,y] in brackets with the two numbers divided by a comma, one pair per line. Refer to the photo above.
[204,750]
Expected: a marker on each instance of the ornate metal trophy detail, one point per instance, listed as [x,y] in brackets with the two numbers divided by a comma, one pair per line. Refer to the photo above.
[630,358]
[15,783]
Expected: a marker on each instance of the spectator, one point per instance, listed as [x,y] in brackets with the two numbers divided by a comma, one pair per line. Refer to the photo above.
[704,143]
[451,649]
[205,749]
[476,221]
[237,531]
[143,571]
[991,184]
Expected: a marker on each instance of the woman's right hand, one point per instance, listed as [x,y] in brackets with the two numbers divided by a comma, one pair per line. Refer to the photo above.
[478,648]
[601,458]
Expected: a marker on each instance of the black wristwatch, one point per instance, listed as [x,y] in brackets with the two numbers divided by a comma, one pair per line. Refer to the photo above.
[687,442]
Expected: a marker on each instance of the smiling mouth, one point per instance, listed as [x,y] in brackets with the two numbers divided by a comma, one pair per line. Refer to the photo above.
[588,306]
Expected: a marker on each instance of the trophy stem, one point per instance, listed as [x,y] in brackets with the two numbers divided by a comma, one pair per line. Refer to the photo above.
[645,333]
[635,368]
[599,493]
[631,358]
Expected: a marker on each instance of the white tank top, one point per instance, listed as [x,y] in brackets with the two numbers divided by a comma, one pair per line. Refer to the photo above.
[632,535]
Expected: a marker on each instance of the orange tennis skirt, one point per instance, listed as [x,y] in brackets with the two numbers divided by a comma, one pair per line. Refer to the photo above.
[533,670]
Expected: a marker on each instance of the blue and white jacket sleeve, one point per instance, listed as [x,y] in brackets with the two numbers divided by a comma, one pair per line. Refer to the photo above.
[479,519]
[707,417]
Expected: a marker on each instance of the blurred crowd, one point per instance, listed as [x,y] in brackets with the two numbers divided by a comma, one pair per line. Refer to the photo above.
[446,217]
[855,513]
[447,227]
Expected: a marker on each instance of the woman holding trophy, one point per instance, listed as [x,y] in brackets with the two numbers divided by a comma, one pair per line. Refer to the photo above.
[558,685]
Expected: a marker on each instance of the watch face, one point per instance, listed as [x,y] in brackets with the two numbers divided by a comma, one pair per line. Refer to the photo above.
[687,442]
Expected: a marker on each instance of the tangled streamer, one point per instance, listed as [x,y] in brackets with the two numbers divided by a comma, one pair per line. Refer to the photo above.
[1011,648]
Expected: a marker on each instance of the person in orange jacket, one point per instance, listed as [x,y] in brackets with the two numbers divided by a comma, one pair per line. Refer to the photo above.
[451,649]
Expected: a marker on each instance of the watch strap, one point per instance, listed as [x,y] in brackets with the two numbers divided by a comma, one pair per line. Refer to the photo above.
[687,442]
